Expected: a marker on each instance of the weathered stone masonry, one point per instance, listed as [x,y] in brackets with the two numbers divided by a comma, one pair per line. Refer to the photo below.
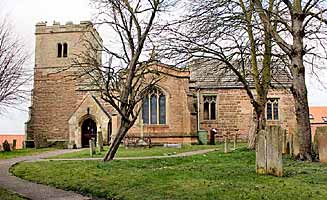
[61,106]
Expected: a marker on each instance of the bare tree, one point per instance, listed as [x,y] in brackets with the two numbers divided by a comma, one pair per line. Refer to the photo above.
[227,32]
[13,76]
[302,37]
[129,74]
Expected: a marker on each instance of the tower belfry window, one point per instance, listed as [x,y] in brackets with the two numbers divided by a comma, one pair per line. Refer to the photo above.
[65,51]
[59,50]
[62,50]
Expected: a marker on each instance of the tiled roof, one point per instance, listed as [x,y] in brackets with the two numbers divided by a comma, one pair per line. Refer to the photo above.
[215,74]
[318,113]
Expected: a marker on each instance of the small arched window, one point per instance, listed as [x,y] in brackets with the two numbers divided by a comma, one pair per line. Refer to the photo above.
[154,108]
[65,52]
[59,50]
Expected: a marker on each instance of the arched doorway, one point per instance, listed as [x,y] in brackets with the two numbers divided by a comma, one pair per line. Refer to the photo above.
[89,130]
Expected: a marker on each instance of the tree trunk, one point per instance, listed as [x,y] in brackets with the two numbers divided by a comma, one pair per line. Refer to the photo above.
[259,123]
[299,92]
[299,89]
[122,131]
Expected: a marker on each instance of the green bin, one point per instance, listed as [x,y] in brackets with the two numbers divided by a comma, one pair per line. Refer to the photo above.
[203,136]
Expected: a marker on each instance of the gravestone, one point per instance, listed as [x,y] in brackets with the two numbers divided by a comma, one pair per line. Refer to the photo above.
[226,140]
[260,150]
[284,138]
[321,135]
[14,143]
[235,140]
[92,147]
[100,141]
[173,145]
[274,151]
[290,144]
[269,151]
[6,146]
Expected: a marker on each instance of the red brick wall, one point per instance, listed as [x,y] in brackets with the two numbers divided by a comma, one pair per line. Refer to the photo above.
[10,137]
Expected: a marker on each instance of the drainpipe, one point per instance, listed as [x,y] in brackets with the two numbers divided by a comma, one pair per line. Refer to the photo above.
[198,108]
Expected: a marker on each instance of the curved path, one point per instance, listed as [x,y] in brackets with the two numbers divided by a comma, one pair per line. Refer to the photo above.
[31,190]
[36,191]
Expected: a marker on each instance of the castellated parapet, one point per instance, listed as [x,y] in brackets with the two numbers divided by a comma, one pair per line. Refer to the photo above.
[83,26]
[56,90]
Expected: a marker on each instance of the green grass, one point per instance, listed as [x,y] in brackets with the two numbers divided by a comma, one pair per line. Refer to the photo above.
[212,176]
[22,152]
[137,152]
[6,195]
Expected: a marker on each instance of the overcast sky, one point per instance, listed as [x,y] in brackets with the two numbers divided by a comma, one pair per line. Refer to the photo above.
[24,14]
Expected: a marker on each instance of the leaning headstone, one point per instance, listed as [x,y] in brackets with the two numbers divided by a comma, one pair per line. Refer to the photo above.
[14,142]
[260,150]
[6,146]
[321,134]
[92,147]
[100,141]
[274,150]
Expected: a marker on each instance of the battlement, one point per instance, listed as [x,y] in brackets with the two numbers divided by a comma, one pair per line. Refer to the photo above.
[56,27]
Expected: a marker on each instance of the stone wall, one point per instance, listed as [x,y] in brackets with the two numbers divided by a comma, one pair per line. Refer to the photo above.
[180,111]
[55,93]
[235,112]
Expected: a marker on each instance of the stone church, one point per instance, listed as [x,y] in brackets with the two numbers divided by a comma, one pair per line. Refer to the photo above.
[184,102]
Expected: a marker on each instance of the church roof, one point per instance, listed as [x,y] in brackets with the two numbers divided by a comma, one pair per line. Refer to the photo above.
[215,74]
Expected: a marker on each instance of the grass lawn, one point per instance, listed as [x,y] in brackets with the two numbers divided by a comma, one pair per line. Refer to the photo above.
[212,176]
[6,195]
[22,152]
[136,152]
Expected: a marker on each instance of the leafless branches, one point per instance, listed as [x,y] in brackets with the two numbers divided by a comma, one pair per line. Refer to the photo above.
[13,76]
[228,32]
[128,74]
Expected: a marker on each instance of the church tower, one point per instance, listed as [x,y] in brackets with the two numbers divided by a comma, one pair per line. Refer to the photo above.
[57,89]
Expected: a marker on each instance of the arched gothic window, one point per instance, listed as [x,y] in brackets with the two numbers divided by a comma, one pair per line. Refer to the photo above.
[272,111]
[154,108]
[209,107]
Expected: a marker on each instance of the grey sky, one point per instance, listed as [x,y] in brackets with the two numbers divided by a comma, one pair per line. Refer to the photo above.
[24,14]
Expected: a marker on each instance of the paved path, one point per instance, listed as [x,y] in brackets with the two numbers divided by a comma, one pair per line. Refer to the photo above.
[36,191]
[31,190]
[189,153]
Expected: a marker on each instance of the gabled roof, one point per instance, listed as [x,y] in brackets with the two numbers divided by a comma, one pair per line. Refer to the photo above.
[317,114]
[96,101]
[215,74]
